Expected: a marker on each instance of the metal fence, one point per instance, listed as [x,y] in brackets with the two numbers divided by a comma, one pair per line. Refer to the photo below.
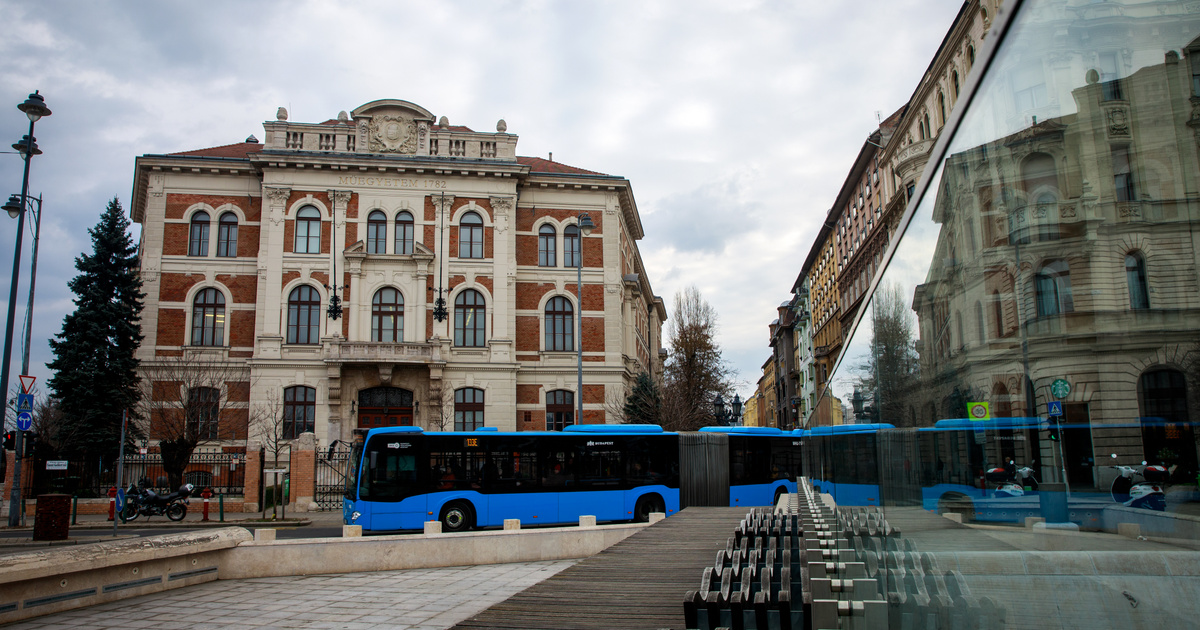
[225,473]
[332,467]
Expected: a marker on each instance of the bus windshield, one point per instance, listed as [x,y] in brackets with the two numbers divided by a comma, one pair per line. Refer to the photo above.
[352,466]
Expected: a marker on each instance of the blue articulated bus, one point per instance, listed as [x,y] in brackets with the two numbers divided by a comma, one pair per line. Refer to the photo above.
[841,461]
[401,477]
[764,463]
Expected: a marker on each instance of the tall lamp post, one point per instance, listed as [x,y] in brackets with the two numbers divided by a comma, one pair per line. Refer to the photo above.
[585,227]
[34,108]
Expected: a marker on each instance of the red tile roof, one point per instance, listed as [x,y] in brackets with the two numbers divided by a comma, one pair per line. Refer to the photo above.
[239,150]
[539,165]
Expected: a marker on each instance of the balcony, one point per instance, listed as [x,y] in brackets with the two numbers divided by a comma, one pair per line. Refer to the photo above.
[375,352]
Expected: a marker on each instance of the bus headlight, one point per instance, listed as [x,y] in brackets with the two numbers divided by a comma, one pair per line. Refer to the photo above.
[354,516]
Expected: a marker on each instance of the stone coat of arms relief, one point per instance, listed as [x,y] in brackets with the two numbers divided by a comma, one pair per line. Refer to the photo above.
[392,134]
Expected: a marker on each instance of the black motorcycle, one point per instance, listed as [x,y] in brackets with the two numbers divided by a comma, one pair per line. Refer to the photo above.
[141,500]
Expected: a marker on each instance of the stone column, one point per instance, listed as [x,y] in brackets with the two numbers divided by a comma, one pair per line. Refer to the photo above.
[303,473]
[270,261]
[253,483]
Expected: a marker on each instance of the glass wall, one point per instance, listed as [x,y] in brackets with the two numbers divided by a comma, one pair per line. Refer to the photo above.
[1035,334]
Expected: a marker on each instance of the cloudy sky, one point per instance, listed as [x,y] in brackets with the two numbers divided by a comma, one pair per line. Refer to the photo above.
[735,121]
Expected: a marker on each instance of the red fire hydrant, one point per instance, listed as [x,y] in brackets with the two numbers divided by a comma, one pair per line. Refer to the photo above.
[112,503]
[207,494]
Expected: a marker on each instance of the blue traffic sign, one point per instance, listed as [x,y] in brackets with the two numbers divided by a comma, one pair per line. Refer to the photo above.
[25,402]
[24,420]
[1054,408]
[120,501]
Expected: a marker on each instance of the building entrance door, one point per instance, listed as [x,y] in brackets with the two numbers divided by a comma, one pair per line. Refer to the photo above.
[1077,446]
[385,407]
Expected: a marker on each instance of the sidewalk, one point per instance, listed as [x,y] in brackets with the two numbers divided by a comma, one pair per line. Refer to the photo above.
[332,518]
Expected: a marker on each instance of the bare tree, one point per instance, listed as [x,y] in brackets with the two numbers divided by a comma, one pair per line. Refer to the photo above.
[270,427]
[444,421]
[614,406]
[695,371]
[188,400]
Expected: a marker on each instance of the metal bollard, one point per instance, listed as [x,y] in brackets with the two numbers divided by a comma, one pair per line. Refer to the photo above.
[112,503]
[206,494]
[221,506]
[74,509]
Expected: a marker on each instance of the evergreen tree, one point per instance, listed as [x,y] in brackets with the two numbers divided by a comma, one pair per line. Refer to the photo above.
[644,403]
[95,367]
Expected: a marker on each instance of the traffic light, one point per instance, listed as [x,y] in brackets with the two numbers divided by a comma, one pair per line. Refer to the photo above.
[10,440]
[1054,435]
[28,443]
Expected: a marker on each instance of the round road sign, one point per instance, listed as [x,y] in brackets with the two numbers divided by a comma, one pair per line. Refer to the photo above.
[24,420]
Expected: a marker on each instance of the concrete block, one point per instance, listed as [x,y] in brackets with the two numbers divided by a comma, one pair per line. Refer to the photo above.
[1030,521]
[1131,530]
[351,531]
[512,523]
[656,517]
[587,521]
[264,535]
[957,518]
[433,527]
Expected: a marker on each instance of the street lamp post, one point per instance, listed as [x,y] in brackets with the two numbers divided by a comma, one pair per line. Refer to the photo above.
[585,227]
[34,108]
[727,413]
[13,206]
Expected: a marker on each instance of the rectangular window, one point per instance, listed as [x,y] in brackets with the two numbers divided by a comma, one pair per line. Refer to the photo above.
[204,412]
[1123,174]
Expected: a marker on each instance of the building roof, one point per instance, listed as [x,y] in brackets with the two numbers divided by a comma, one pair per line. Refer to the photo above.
[242,150]
[239,150]
[540,165]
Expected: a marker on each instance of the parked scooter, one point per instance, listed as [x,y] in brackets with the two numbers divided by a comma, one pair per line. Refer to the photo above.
[140,500]
[1005,477]
[1146,494]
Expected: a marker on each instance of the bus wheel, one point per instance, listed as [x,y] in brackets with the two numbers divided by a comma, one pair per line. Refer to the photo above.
[646,504]
[955,503]
[457,516]
[778,493]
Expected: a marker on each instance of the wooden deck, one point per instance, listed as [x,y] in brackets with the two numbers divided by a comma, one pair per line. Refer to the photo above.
[637,583]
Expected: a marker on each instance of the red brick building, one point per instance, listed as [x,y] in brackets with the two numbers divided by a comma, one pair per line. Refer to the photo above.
[245,246]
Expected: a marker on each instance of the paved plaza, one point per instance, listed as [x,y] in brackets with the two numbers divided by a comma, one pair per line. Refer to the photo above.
[418,599]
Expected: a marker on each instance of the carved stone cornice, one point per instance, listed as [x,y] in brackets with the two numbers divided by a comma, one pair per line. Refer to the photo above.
[341,198]
[502,204]
[442,202]
[278,195]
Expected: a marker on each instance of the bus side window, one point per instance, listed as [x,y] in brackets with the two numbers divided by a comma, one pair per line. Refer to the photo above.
[554,470]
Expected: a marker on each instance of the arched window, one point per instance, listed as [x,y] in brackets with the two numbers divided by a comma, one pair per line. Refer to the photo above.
[560,325]
[1053,287]
[941,110]
[304,315]
[208,318]
[547,256]
[560,409]
[1135,277]
[404,233]
[980,325]
[998,314]
[954,82]
[571,246]
[470,236]
[227,229]
[299,411]
[387,316]
[308,231]
[198,235]
[204,413]
[970,55]
[469,319]
[376,233]
[468,409]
